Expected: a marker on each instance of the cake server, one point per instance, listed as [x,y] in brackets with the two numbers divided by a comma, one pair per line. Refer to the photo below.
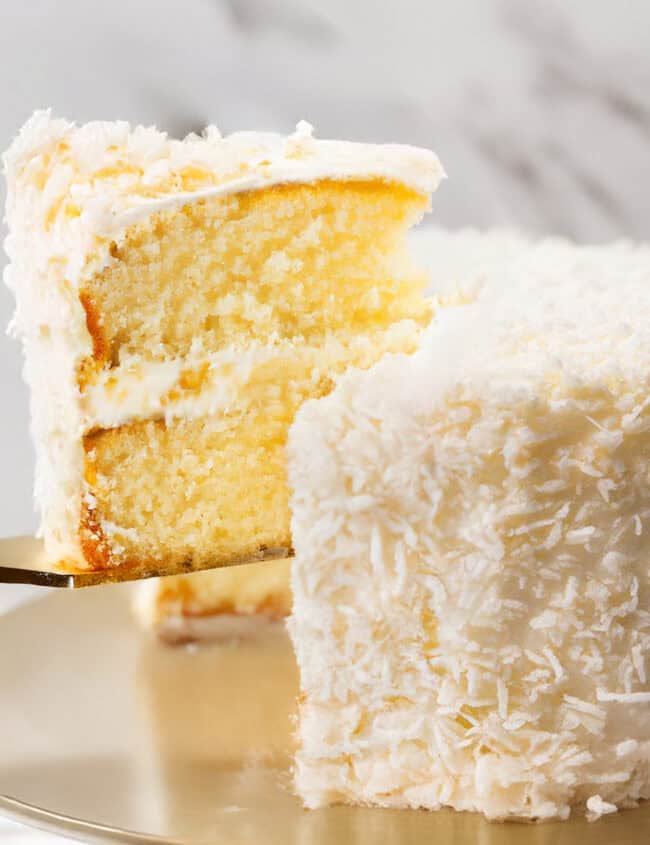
[23,561]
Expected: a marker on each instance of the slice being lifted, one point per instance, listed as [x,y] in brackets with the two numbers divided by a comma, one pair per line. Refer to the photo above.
[178,301]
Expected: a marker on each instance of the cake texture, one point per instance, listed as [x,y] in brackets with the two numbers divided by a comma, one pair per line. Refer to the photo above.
[178,301]
[471,585]
[239,602]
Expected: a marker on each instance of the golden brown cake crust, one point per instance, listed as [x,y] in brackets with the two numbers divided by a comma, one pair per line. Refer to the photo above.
[89,367]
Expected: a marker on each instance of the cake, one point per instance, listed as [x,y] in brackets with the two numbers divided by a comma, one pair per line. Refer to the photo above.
[471,585]
[177,302]
[232,603]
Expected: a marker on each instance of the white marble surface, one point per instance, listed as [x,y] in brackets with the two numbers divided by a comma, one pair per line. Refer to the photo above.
[539,110]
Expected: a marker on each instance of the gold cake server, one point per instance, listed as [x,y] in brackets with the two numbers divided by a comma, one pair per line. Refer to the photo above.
[23,561]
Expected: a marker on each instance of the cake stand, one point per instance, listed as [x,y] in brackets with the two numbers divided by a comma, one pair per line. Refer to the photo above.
[108,736]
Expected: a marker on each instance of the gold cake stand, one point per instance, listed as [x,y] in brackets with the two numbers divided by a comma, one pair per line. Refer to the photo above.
[107,736]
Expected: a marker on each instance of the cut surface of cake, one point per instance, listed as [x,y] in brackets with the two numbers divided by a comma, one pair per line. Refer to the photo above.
[178,301]
[237,603]
[471,584]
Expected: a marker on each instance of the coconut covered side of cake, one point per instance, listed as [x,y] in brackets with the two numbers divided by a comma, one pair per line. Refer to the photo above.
[177,301]
[471,585]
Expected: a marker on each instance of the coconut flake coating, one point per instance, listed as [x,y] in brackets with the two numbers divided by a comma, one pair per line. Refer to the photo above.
[472,580]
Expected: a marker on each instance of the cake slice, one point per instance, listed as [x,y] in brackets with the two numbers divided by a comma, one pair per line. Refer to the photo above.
[243,602]
[178,301]
[471,586]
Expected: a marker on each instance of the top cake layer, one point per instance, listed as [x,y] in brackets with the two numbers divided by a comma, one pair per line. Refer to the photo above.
[80,188]
[90,212]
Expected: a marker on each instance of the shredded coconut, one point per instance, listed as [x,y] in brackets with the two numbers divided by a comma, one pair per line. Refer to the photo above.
[508,465]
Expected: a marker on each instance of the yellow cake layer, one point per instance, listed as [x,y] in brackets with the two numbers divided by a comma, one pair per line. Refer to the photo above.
[300,261]
[188,493]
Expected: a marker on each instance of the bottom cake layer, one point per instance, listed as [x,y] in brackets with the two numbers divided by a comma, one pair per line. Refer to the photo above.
[189,493]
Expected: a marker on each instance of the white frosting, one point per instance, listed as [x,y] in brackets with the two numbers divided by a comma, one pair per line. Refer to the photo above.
[471,584]
[141,389]
[74,190]
[78,188]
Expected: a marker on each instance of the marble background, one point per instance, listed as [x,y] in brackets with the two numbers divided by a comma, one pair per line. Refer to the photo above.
[540,111]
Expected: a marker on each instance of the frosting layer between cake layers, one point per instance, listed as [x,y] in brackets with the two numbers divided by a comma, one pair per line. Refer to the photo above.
[220,382]
[471,584]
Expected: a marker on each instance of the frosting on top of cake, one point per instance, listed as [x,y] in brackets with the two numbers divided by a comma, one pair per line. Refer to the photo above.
[553,308]
[80,183]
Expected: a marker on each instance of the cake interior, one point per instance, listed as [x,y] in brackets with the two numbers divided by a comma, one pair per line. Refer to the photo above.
[317,276]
